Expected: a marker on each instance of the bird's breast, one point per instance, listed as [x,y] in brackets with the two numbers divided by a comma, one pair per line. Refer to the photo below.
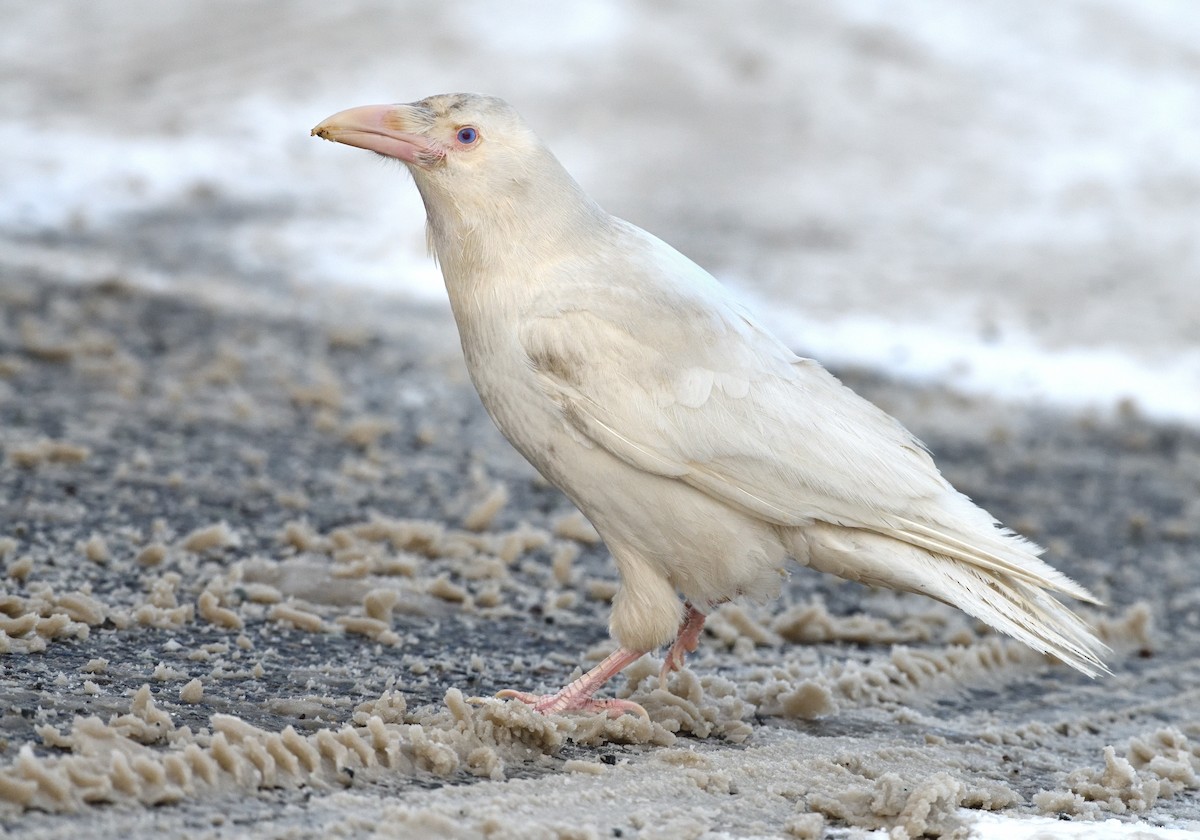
[507,383]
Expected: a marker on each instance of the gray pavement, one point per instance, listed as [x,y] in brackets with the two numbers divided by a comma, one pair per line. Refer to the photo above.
[342,459]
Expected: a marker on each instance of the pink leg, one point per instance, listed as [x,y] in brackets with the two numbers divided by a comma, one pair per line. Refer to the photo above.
[686,641]
[577,697]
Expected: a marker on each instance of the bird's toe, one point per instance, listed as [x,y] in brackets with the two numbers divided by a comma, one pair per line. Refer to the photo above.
[547,704]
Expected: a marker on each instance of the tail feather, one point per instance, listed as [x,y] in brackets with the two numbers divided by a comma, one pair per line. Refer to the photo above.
[1013,601]
[998,551]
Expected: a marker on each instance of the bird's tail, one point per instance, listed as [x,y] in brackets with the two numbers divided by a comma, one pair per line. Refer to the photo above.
[1016,604]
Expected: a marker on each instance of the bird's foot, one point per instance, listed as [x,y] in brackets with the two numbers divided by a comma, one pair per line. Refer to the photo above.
[686,641]
[559,702]
[577,697]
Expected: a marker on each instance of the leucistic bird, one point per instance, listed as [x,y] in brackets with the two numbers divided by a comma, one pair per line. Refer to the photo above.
[705,453]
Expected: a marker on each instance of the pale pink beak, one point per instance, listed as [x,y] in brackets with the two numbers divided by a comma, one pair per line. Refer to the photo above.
[391,130]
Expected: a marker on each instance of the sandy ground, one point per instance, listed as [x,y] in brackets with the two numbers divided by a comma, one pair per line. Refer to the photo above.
[257,565]
[261,548]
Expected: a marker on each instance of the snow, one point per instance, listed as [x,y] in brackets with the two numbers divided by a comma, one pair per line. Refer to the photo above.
[986,826]
[1080,158]
[1011,366]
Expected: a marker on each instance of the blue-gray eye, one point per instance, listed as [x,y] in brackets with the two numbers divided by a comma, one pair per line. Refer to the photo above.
[467,135]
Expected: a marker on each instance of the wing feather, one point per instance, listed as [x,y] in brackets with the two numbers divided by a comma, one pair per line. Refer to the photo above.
[678,381]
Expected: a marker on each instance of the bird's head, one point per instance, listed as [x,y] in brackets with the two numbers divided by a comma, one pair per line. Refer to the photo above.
[462,148]
[491,188]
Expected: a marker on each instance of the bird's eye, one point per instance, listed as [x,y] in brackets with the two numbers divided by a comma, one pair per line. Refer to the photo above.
[467,135]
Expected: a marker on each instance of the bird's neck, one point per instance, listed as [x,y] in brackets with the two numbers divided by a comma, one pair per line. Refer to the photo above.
[510,234]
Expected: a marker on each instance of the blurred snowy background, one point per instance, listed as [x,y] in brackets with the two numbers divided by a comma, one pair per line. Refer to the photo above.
[1002,195]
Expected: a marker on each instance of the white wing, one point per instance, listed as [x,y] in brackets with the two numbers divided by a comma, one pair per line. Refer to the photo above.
[664,371]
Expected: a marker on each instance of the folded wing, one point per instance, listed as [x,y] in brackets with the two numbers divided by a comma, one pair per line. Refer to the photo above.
[677,381]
